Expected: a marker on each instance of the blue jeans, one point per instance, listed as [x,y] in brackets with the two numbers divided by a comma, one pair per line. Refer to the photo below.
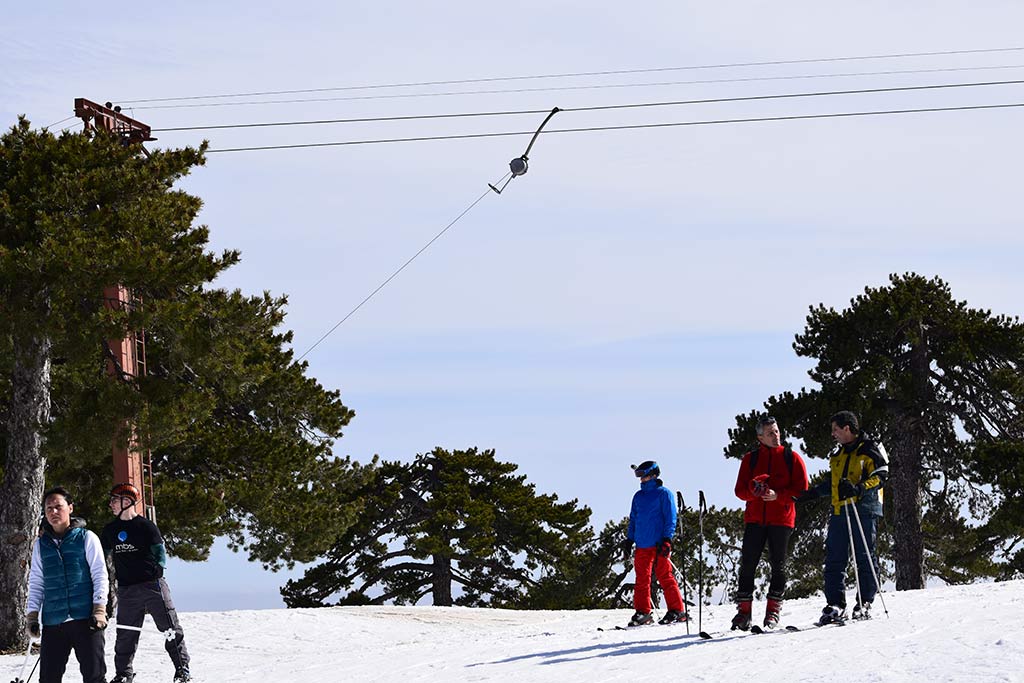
[837,556]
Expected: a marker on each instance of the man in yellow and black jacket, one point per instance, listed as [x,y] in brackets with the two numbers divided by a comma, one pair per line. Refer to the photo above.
[859,468]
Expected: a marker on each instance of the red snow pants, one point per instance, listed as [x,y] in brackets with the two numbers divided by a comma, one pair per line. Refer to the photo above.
[644,560]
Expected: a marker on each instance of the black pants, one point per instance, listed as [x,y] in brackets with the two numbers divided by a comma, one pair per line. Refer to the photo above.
[57,644]
[132,604]
[755,537]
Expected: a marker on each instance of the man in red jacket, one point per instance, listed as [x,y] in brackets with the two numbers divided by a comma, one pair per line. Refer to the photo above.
[770,476]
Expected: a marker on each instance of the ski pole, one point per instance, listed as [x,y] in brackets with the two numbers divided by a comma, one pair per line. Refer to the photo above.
[682,555]
[871,560]
[853,548]
[702,507]
[168,635]
[28,655]
[652,588]
[31,639]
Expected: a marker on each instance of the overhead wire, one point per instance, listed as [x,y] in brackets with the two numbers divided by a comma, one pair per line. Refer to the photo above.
[371,119]
[604,86]
[400,269]
[760,119]
[607,107]
[606,128]
[584,74]
[58,122]
[465,211]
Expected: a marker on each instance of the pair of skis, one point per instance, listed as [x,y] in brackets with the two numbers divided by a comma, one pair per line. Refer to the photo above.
[754,630]
[634,628]
[758,630]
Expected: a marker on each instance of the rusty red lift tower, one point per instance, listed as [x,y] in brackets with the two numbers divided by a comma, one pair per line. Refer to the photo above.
[132,461]
[109,118]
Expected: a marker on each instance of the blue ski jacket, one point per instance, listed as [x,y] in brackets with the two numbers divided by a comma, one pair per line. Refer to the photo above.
[652,516]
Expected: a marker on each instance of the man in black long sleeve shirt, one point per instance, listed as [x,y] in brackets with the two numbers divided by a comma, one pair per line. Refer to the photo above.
[139,559]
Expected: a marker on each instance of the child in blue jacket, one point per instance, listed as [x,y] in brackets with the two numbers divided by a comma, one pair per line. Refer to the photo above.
[652,523]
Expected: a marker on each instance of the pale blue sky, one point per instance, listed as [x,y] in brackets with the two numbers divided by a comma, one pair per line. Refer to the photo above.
[630,294]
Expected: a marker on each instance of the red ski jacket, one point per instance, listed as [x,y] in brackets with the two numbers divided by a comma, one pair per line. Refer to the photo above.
[786,481]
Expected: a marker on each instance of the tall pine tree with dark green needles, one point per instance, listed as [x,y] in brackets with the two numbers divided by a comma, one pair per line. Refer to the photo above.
[448,519]
[241,438]
[940,384]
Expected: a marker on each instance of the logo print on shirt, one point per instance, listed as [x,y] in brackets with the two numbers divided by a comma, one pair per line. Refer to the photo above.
[122,536]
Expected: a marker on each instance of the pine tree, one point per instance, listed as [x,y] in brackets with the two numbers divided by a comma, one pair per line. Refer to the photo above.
[590,574]
[938,382]
[238,434]
[449,518]
[998,543]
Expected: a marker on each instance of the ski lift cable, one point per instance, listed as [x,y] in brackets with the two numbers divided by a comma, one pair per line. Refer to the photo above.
[58,122]
[607,107]
[582,74]
[604,86]
[590,129]
[400,269]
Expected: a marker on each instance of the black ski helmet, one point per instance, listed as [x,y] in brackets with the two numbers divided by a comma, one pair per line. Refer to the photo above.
[647,467]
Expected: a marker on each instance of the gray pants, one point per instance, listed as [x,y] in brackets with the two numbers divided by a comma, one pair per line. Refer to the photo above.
[132,604]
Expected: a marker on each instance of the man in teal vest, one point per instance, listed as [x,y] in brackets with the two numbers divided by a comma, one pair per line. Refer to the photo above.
[68,584]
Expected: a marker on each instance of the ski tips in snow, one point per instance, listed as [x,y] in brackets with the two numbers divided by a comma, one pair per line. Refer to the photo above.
[783,629]
[705,635]
[634,627]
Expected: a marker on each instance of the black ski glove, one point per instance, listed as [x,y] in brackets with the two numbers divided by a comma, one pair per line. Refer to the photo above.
[626,547]
[809,494]
[665,547]
[846,489]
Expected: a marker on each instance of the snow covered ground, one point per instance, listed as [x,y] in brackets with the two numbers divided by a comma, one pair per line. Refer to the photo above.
[965,633]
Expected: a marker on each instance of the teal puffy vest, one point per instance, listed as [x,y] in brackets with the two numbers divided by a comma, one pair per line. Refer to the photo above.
[67,582]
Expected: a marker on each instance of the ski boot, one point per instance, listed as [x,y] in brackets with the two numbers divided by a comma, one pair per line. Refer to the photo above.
[641,619]
[861,611]
[674,616]
[771,614]
[832,615]
[741,621]
[123,678]
[182,675]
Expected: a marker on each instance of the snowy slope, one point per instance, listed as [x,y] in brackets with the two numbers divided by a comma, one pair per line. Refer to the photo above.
[979,639]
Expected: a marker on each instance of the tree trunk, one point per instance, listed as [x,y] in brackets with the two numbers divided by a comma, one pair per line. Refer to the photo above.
[442,581]
[906,473]
[22,487]
[906,470]
[905,484]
